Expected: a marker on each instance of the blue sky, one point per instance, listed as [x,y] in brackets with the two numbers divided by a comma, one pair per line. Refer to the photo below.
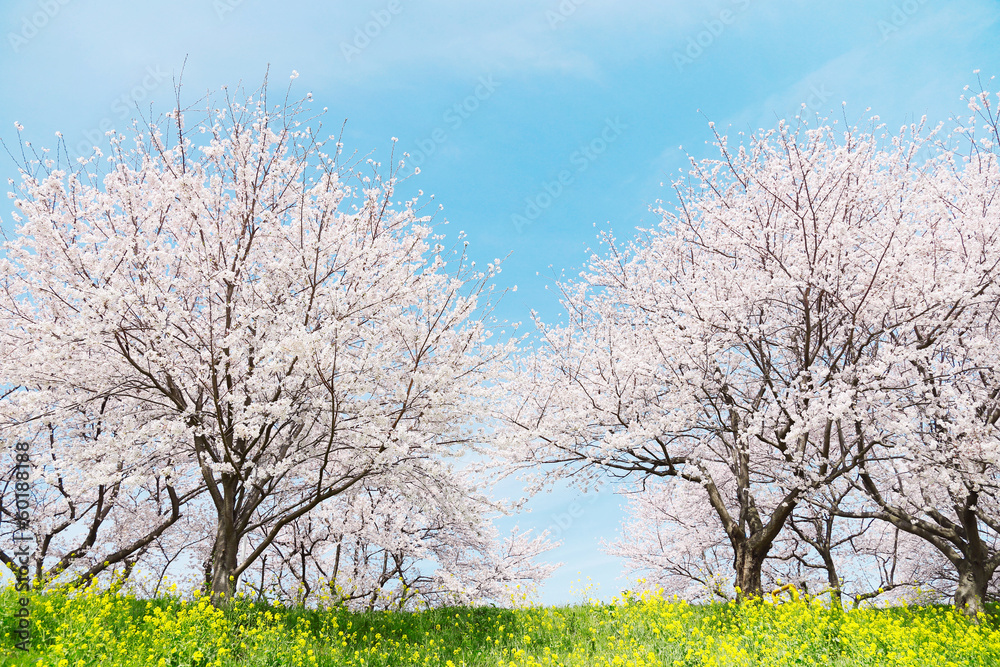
[531,121]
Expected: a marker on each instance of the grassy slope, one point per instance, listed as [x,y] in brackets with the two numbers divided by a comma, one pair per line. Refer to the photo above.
[89,629]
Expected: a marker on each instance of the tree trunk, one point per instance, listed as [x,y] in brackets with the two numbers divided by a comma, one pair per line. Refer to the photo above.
[748,564]
[225,551]
[971,590]
[224,564]
[833,580]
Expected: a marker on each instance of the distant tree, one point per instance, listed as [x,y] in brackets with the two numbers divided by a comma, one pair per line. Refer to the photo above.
[402,549]
[89,517]
[860,559]
[672,540]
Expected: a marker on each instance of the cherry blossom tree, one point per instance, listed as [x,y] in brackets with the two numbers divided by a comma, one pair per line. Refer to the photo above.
[756,344]
[268,317]
[934,471]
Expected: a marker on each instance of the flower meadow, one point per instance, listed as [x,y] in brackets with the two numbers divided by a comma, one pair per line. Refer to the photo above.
[112,628]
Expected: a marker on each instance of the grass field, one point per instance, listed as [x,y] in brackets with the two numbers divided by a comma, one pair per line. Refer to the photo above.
[111,629]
